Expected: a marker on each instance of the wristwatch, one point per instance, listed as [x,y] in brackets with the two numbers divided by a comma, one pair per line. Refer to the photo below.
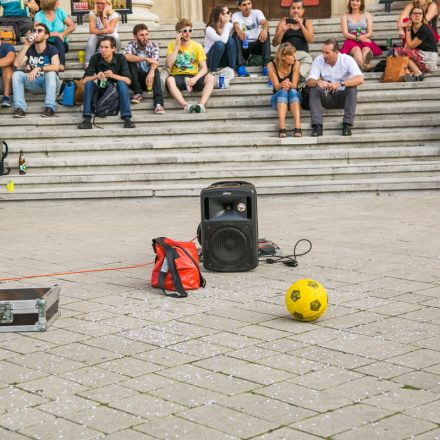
[342,83]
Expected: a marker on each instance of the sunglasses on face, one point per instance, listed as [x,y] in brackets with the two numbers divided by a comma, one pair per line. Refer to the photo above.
[186,31]
[37,31]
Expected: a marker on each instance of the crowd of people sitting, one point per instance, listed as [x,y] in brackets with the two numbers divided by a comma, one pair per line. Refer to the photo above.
[331,79]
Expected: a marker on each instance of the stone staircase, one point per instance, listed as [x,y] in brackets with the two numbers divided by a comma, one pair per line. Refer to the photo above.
[395,145]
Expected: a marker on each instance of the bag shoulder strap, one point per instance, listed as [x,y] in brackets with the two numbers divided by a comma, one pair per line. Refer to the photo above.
[170,255]
[202,280]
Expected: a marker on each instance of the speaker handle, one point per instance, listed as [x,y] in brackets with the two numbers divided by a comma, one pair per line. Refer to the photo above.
[232,183]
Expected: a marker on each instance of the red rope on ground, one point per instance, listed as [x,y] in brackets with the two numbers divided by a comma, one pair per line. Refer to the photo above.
[75,272]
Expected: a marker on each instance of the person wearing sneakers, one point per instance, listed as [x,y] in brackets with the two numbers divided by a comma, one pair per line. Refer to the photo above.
[251,33]
[41,63]
[143,60]
[7,57]
[104,67]
[333,82]
[188,69]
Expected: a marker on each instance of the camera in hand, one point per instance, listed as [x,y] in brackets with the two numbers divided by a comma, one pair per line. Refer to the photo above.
[291,20]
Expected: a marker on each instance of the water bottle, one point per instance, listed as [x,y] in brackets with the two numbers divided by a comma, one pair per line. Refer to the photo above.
[389,43]
[104,83]
[358,33]
[221,82]
[245,43]
[21,4]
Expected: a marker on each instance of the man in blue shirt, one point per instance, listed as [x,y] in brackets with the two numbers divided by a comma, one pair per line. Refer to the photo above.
[16,16]
[7,58]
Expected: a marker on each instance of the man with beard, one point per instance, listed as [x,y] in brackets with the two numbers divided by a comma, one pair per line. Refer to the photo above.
[143,60]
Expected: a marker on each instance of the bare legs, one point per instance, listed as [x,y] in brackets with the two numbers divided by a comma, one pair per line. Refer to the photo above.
[362,57]
[7,80]
[177,94]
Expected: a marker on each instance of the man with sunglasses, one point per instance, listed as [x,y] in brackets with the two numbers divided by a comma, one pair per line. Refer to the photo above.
[7,57]
[41,64]
[188,69]
[250,25]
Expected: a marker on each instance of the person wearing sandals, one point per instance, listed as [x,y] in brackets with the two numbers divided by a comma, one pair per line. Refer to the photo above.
[284,75]
[220,47]
[186,61]
[333,82]
[357,28]
[299,32]
[420,46]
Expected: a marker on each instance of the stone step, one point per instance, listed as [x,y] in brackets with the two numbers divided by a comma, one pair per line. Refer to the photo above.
[237,127]
[373,185]
[258,173]
[328,147]
[169,155]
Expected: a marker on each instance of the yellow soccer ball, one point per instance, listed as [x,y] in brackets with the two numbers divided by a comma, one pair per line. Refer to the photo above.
[306,300]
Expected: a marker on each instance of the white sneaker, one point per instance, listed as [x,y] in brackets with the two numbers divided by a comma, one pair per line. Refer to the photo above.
[199,108]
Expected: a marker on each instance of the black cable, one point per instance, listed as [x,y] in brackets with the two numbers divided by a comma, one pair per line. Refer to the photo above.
[289,260]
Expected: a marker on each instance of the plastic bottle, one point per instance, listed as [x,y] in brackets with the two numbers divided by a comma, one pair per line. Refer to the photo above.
[21,163]
[221,82]
[21,4]
[358,32]
[245,43]
[389,43]
[104,83]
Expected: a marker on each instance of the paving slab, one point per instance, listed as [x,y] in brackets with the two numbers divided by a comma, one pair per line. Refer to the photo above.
[124,362]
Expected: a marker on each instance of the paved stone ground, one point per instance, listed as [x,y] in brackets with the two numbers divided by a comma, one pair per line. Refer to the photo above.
[124,362]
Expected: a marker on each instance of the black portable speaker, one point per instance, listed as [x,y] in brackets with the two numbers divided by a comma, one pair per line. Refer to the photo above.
[229,227]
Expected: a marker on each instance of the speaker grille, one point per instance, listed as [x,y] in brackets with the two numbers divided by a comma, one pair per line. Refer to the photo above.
[228,246]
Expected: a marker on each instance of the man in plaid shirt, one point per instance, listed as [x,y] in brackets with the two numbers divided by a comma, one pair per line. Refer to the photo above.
[143,61]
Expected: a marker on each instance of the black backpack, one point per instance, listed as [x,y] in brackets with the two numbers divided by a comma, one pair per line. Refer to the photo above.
[106,103]
[3,155]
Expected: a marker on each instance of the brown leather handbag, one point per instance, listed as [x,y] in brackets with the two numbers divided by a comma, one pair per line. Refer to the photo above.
[79,91]
[396,68]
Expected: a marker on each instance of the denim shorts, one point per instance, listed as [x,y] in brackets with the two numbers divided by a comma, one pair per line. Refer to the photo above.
[284,97]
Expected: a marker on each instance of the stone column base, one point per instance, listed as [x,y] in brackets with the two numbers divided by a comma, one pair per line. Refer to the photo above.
[142,14]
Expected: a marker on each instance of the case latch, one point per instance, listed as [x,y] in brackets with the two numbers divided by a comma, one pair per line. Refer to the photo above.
[6,314]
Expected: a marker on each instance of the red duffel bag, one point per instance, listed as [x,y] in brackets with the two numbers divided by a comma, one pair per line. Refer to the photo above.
[176,267]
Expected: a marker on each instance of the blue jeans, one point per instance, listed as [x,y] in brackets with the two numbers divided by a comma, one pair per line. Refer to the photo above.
[91,87]
[49,84]
[222,55]
[284,97]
